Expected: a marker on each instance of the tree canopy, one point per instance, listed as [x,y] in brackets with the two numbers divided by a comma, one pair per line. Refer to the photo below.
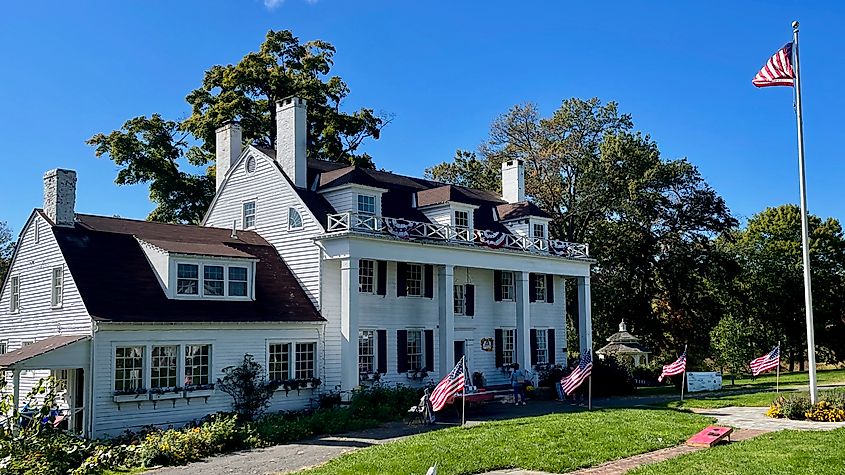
[7,248]
[153,150]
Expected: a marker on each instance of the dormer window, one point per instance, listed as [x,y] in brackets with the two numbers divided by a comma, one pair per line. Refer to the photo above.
[249,215]
[461,219]
[212,281]
[237,281]
[539,231]
[366,204]
[188,282]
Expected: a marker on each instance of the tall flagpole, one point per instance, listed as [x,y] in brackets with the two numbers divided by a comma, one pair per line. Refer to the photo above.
[777,377]
[805,235]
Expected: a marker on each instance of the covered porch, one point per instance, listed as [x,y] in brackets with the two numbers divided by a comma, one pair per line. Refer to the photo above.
[67,358]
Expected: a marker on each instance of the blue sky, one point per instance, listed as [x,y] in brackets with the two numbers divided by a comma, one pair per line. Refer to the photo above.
[445,70]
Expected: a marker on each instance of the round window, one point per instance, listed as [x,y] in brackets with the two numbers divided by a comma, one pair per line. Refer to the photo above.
[250,164]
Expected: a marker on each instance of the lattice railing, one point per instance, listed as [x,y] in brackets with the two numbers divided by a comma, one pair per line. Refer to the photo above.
[415,230]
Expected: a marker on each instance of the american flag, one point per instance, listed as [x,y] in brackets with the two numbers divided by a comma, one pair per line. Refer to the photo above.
[446,389]
[778,70]
[578,375]
[767,362]
[678,367]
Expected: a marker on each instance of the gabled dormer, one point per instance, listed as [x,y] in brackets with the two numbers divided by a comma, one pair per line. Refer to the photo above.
[442,205]
[201,271]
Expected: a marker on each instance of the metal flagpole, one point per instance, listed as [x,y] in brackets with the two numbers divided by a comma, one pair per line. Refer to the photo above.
[805,238]
[590,392]
[777,373]
[684,375]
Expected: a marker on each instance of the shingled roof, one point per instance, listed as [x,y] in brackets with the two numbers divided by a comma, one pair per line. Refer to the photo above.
[118,284]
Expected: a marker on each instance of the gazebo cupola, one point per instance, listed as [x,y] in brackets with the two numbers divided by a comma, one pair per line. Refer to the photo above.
[625,346]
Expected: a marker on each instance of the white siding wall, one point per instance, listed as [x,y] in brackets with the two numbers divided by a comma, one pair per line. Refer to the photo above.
[159,261]
[345,199]
[439,214]
[37,319]
[273,196]
[394,313]
[229,344]
[518,227]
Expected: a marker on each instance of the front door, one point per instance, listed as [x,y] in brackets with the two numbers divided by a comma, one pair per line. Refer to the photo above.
[460,350]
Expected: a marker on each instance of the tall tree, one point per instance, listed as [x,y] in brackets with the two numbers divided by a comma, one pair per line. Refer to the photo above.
[150,149]
[7,247]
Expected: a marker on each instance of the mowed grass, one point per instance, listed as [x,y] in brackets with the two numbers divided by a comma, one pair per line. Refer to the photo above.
[553,443]
[762,383]
[725,399]
[779,453]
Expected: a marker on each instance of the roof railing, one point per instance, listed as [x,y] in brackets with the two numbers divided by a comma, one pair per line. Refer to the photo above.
[415,230]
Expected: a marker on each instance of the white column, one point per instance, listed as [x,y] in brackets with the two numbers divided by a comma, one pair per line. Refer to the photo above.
[523,319]
[446,320]
[349,324]
[585,318]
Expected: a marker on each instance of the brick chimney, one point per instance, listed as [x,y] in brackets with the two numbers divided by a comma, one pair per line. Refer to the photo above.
[227,146]
[513,181]
[292,138]
[60,196]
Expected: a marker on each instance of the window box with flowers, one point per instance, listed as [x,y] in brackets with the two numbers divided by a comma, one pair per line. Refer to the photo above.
[131,395]
[300,384]
[369,378]
[157,394]
[417,374]
[199,390]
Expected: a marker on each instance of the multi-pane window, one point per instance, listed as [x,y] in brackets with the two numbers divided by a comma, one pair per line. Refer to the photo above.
[415,350]
[58,277]
[540,231]
[249,215]
[212,281]
[542,347]
[540,287]
[413,280]
[163,367]
[367,204]
[3,347]
[508,344]
[197,364]
[305,353]
[278,365]
[461,219]
[507,286]
[128,368]
[460,299]
[366,351]
[15,294]
[294,219]
[187,279]
[237,282]
[366,276]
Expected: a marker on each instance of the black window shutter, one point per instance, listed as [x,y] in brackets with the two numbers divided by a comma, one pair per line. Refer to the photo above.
[382,351]
[550,289]
[381,275]
[550,344]
[532,287]
[428,280]
[429,350]
[401,276]
[533,347]
[402,351]
[497,285]
[469,298]
[497,344]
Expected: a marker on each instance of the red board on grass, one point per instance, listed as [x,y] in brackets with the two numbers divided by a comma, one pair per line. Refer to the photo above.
[710,436]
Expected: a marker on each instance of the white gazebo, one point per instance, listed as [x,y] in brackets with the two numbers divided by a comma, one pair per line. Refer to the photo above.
[626,347]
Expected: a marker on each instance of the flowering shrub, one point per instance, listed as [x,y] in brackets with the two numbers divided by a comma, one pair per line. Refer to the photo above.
[830,408]
[825,412]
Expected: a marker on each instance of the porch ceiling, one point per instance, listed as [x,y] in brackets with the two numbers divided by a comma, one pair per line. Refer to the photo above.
[59,351]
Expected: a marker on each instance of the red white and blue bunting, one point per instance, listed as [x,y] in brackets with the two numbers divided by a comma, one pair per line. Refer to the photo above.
[492,239]
[400,228]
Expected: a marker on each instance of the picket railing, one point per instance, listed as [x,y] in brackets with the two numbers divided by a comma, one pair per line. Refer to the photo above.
[415,230]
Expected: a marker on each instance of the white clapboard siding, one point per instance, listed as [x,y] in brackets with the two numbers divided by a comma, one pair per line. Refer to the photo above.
[229,344]
[273,197]
[34,262]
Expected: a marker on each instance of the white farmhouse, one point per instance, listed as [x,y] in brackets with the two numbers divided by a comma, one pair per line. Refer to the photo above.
[331,276]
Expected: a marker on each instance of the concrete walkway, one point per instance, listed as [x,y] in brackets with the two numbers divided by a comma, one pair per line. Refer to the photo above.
[755,418]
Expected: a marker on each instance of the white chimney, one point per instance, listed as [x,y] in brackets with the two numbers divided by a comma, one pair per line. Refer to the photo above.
[513,181]
[292,138]
[227,146]
[60,196]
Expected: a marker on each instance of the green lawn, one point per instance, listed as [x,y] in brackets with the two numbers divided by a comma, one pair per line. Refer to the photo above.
[725,399]
[553,443]
[780,453]
[767,381]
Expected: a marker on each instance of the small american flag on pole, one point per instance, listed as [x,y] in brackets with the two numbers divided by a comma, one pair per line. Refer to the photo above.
[778,70]
[767,362]
[578,375]
[446,389]
[678,367]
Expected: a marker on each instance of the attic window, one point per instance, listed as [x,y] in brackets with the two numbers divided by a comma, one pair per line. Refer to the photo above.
[249,215]
[249,166]
[294,219]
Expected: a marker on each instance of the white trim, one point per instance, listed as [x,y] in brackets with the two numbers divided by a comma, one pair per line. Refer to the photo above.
[292,355]
[245,202]
[57,288]
[201,265]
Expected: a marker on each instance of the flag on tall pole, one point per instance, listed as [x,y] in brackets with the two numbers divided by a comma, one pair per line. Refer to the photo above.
[446,389]
[578,375]
[679,366]
[783,69]
[767,362]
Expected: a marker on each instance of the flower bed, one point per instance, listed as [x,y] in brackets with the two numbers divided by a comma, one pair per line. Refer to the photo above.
[830,408]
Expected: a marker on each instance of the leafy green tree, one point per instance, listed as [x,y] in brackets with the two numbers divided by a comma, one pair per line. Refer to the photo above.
[7,247]
[771,284]
[466,169]
[733,341]
[150,149]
